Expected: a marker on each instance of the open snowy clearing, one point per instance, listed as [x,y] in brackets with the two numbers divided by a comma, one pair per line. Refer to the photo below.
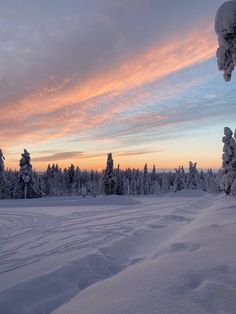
[165,254]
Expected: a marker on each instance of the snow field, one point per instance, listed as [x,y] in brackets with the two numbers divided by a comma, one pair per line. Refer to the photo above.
[165,254]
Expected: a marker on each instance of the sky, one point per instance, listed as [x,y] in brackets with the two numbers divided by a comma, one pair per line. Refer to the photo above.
[138,78]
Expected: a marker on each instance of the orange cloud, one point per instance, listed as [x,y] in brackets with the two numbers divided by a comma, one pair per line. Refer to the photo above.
[33,111]
[75,107]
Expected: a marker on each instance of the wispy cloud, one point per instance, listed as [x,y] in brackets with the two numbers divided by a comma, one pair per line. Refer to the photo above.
[53,113]
[53,158]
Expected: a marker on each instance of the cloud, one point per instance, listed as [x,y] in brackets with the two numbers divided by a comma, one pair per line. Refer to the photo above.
[50,44]
[59,156]
[52,113]
[74,155]
[104,73]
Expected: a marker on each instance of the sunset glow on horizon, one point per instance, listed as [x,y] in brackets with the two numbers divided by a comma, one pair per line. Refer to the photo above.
[138,79]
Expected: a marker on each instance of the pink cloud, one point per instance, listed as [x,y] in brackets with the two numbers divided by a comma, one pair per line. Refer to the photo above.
[52,112]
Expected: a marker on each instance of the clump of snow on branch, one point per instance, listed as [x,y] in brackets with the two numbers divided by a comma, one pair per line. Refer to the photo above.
[225,27]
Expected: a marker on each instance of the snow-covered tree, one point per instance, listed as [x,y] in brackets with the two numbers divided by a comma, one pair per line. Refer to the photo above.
[227,175]
[203,180]
[71,180]
[78,180]
[119,182]
[11,181]
[53,181]
[225,27]
[83,191]
[178,182]
[3,183]
[93,185]
[2,158]
[109,177]
[165,182]
[26,187]
[127,187]
[193,178]
[145,180]
[153,181]
[211,185]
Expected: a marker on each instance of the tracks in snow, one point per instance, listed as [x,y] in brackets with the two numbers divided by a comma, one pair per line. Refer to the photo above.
[82,245]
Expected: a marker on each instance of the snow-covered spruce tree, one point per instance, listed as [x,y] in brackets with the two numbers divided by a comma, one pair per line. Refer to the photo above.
[183,178]
[128,181]
[203,181]
[227,175]
[26,187]
[46,180]
[138,180]
[3,183]
[91,185]
[165,182]
[78,180]
[57,180]
[193,177]
[119,182]
[211,186]
[53,181]
[71,180]
[178,180]
[145,180]
[11,181]
[225,27]
[2,158]
[153,180]
[127,186]
[94,185]
[109,177]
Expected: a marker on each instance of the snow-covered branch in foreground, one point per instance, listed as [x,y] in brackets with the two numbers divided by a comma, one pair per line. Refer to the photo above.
[225,27]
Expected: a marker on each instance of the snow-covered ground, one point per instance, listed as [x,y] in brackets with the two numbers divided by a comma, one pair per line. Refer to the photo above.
[124,255]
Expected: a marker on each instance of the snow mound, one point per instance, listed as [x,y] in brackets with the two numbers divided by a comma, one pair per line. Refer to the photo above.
[43,293]
[191,271]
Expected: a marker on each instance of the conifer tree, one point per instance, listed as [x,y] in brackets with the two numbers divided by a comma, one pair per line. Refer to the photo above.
[193,178]
[119,185]
[26,187]
[109,177]
[145,180]
[3,183]
[228,172]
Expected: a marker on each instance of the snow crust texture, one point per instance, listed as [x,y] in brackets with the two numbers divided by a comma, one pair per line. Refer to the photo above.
[118,254]
[225,27]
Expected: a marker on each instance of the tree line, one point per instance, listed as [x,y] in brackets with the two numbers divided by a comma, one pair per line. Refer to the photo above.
[27,183]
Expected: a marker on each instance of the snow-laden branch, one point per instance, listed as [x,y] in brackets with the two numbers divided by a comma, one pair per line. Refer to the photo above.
[225,27]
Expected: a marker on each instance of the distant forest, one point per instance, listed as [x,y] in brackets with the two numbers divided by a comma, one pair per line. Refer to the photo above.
[27,183]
